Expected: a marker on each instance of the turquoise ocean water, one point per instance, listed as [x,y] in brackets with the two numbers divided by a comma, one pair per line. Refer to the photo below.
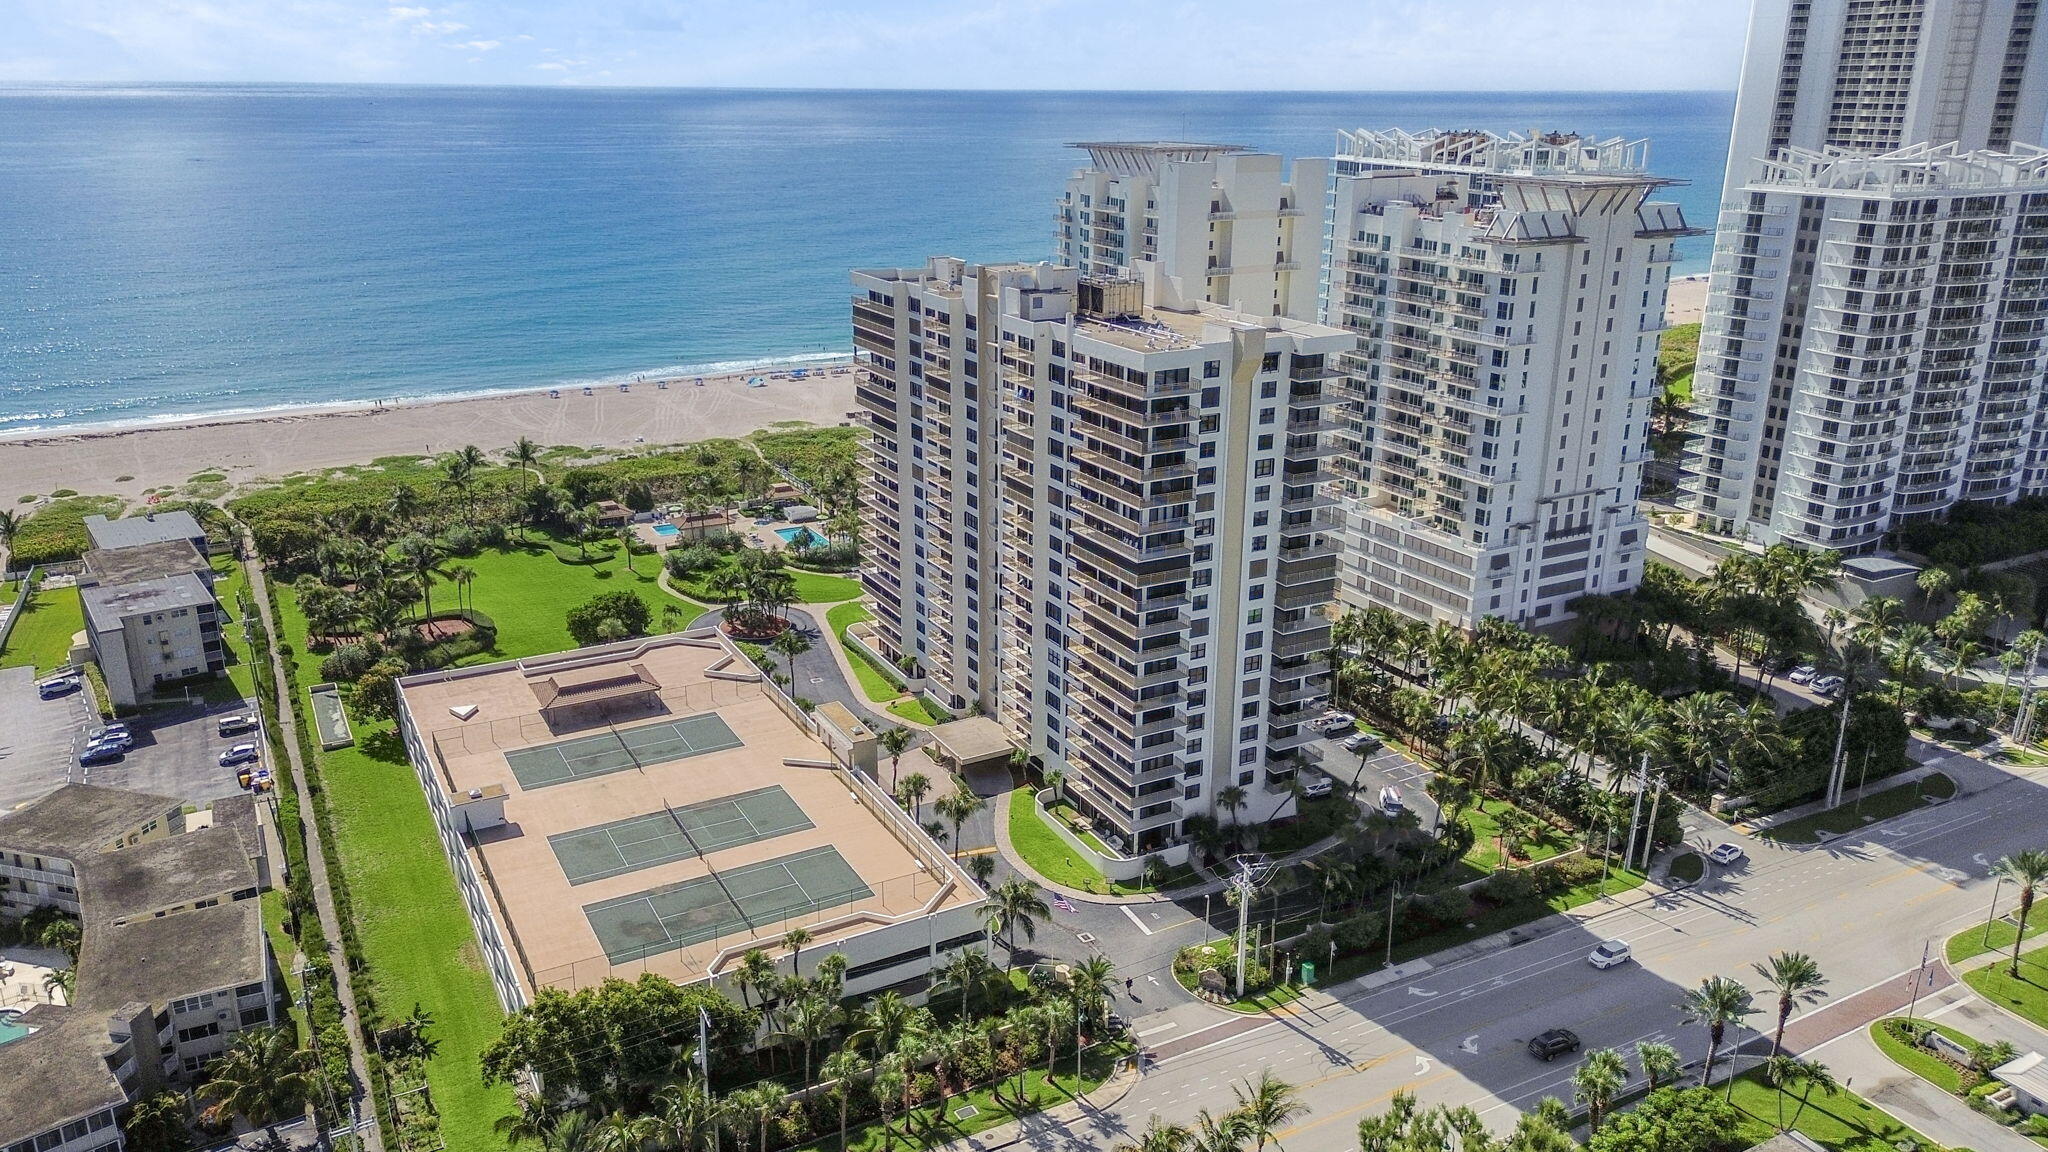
[175,250]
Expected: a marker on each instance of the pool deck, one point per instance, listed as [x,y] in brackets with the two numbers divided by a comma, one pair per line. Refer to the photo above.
[533,896]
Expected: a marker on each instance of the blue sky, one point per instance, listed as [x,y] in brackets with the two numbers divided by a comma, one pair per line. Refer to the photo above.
[1089,44]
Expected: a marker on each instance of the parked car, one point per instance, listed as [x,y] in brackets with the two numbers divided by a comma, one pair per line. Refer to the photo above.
[1316,787]
[1826,685]
[111,734]
[1609,954]
[1390,801]
[236,725]
[99,754]
[1334,722]
[1727,854]
[1363,742]
[1554,1043]
[118,741]
[1803,674]
[57,686]
[239,754]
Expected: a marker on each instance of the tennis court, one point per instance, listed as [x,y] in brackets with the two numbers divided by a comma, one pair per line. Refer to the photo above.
[749,897]
[657,838]
[618,749]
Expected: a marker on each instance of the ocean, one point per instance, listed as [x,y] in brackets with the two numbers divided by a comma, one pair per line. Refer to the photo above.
[169,251]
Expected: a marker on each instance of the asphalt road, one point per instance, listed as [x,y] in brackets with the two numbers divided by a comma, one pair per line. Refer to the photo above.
[1863,906]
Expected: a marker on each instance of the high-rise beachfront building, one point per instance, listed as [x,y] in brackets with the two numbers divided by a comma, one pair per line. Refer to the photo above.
[1104,521]
[1198,223]
[1507,294]
[1871,352]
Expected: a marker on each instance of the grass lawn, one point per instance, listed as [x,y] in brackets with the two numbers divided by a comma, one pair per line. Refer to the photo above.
[1045,852]
[875,683]
[1678,353]
[928,1128]
[811,587]
[1919,1061]
[918,710]
[1689,868]
[2026,995]
[1066,814]
[415,934]
[230,581]
[1844,1122]
[1997,938]
[1484,820]
[1893,801]
[528,594]
[42,635]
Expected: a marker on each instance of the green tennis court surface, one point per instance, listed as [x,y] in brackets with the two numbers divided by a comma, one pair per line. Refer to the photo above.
[662,837]
[618,749]
[762,895]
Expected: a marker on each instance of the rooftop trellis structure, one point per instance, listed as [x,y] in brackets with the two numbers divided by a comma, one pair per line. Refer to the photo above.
[1512,154]
[1916,170]
[1144,158]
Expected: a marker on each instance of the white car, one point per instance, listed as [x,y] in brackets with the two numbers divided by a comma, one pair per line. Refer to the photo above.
[1390,801]
[1316,788]
[239,754]
[1826,685]
[1802,674]
[1727,854]
[1609,954]
[1363,742]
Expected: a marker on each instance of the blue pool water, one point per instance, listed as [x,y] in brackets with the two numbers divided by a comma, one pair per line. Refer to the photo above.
[667,530]
[789,535]
[11,1027]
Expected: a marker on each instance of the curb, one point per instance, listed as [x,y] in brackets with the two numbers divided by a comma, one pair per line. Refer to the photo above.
[1059,1116]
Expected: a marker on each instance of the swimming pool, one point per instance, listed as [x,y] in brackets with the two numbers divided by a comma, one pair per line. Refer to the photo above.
[789,535]
[11,1027]
[665,530]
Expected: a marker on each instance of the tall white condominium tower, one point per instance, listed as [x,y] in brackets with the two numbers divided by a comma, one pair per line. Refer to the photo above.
[1198,223]
[1101,520]
[1871,350]
[1507,293]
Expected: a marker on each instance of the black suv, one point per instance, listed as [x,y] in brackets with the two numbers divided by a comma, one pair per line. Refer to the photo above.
[1554,1043]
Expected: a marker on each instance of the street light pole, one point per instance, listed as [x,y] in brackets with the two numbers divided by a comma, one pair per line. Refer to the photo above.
[1991,916]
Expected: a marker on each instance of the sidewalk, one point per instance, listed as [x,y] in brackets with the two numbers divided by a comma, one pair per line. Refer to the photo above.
[1914,1102]
[316,856]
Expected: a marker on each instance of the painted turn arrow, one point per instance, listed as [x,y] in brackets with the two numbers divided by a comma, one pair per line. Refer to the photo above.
[1423,992]
[1422,1064]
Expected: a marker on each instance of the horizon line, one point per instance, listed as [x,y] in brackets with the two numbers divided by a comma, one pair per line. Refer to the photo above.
[7,84]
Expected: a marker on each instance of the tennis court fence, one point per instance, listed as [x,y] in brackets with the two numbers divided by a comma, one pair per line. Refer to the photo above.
[485,737]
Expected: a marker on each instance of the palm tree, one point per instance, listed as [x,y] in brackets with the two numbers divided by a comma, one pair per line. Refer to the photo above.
[791,643]
[966,970]
[889,1081]
[1225,1133]
[1796,979]
[63,980]
[982,868]
[1265,1106]
[402,506]
[794,941]
[811,1019]
[1785,1072]
[1159,1136]
[895,741]
[62,934]
[1015,906]
[882,1022]
[761,1103]
[684,1112]
[911,791]
[842,1069]
[2026,870]
[575,1131]
[1716,1002]
[1232,798]
[1660,1064]
[10,524]
[1091,981]
[525,456]
[958,807]
[1596,1082]
[622,1133]
[756,971]
[263,1078]
[418,555]
[462,576]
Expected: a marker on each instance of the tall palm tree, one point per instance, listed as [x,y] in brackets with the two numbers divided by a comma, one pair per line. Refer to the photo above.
[791,643]
[263,1078]
[1596,1082]
[982,868]
[882,1022]
[958,808]
[1660,1064]
[911,791]
[1265,1106]
[10,524]
[1787,1072]
[1717,1002]
[462,576]
[1797,979]
[761,1103]
[525,456]
[1225,1133]
[418,556]
[2026,870]
[1159,1136]
[966,970]
[402,506]
[895,741]
[1015,906]
[1091,980]
[843,1070]
[756,972]
[811,1019]
[575,1131]
[794,940]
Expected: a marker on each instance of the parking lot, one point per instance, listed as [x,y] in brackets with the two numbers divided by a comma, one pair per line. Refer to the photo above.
[176,753]
[36,741]
[1387,767]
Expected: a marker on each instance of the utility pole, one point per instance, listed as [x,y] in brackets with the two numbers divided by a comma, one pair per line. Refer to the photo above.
[1838,768]
[1650,833]
[1246,882]
[1636,810]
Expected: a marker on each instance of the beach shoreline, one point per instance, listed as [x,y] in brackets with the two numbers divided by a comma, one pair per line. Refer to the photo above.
[128,460]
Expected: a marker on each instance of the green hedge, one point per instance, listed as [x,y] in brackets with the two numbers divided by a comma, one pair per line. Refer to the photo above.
[55,533]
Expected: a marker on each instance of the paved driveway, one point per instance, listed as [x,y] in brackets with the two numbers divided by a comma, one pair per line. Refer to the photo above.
[36,740]
[176,753]
[1388,767]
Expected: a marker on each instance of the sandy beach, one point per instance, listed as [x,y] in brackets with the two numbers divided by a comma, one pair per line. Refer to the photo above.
[1686,302]
[126,461]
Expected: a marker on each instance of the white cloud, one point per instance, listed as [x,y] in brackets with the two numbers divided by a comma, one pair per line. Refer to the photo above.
[552,66]
[411,13]
[479,45]
[439,28]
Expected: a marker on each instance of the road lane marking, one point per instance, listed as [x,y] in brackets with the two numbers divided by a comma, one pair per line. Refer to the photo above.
[1155,1031]
[1134,919]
